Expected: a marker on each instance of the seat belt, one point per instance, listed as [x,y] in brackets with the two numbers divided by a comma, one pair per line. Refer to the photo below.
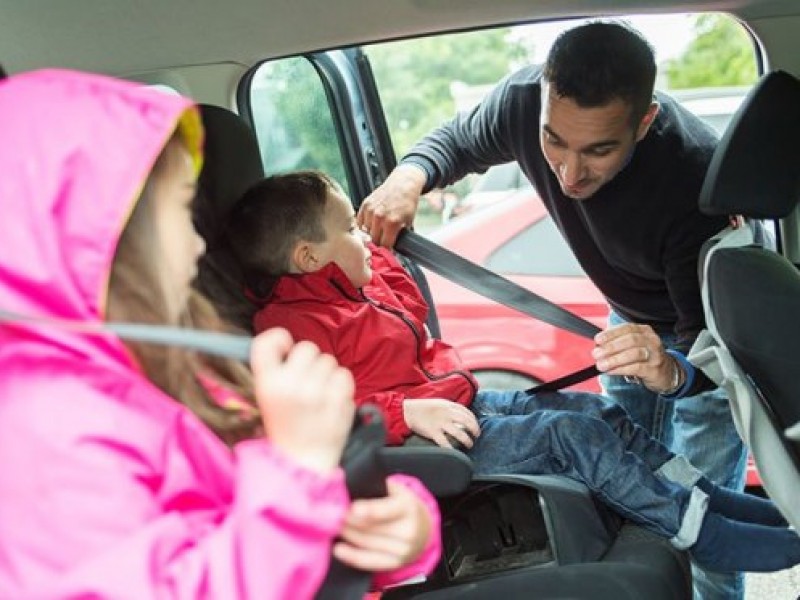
[495,287]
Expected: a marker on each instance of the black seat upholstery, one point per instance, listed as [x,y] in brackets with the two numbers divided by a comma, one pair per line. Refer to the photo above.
[751,293]
[232,165]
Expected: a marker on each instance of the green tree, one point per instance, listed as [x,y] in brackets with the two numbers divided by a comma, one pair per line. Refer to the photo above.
[414,76]
[722,54]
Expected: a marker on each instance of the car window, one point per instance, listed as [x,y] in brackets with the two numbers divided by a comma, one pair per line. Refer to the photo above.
[293,120]
[539,249]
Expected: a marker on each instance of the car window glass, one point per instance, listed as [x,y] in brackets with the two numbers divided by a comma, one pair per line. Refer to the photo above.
[537,250]
[293,120]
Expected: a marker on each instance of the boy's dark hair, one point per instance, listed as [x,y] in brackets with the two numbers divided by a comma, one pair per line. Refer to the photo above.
[270,218]
[595,63]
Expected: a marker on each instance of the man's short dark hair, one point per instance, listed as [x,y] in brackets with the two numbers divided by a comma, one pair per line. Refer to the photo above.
[595,63]
[3,74]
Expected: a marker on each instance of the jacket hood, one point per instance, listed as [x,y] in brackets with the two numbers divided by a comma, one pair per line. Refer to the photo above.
[76,151]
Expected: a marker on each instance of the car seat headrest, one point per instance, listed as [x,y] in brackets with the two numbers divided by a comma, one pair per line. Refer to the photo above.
[755,170]
[232,165]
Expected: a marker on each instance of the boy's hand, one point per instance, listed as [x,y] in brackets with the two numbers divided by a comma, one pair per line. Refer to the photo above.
[435,419]
[305,397]
[381,534]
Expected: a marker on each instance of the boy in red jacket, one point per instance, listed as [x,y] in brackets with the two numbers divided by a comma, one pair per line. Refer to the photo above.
[310,269]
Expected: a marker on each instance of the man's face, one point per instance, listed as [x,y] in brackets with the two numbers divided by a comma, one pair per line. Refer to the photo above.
[587,147]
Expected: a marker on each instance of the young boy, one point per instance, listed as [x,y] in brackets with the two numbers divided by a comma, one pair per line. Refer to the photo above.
[309,269]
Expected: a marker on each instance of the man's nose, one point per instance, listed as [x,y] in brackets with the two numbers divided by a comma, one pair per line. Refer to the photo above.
[571,168]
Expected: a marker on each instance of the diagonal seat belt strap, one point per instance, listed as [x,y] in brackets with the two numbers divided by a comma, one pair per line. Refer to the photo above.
[218,344]
[491,285]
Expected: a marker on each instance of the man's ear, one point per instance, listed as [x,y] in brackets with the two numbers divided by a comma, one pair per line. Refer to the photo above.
[647,120]
[303,258]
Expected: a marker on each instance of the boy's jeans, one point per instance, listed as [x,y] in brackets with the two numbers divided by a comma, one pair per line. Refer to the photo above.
[592,440]
[701,429]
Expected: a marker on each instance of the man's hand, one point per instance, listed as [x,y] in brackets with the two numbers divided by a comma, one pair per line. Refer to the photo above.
[392,205]
[435,419]
[634,350]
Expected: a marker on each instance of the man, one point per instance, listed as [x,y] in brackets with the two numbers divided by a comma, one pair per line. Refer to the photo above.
[619,170]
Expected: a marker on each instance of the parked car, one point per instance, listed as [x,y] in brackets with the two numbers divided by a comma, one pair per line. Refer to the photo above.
[504,348]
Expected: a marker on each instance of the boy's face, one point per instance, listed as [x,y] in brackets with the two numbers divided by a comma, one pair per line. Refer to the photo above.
[345,244]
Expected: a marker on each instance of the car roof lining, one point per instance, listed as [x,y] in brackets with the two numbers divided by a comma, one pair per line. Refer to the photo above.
[135,37]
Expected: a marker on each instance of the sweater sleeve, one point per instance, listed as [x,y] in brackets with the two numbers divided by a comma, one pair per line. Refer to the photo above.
[683,246]
[471,142]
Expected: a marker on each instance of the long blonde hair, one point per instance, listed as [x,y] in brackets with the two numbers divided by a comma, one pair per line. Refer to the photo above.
[137,295]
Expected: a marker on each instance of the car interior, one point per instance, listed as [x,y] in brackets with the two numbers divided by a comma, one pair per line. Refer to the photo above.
[526,537]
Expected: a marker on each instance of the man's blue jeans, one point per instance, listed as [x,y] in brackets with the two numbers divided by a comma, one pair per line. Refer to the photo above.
[701,429]
[591,440]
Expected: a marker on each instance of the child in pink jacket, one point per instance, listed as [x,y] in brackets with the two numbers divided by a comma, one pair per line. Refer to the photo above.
[120,475]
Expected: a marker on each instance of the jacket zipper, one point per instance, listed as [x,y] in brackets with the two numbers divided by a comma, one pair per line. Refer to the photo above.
[363,297]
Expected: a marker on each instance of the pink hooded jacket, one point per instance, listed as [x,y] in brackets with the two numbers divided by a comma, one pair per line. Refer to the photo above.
[108,487]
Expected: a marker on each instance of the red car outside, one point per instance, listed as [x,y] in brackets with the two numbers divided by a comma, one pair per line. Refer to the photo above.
[506,349]
[516,238]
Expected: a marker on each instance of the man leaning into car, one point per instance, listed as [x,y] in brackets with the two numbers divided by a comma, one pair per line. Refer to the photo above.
[620,170]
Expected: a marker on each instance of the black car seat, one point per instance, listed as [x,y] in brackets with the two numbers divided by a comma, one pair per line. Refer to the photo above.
[522,537]
[751,294]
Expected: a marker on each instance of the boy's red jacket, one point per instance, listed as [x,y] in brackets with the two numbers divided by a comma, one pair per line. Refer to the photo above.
[377,332]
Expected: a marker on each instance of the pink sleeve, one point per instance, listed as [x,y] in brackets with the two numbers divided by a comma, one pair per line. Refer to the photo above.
[430,556]
[88,516]
[274,542]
